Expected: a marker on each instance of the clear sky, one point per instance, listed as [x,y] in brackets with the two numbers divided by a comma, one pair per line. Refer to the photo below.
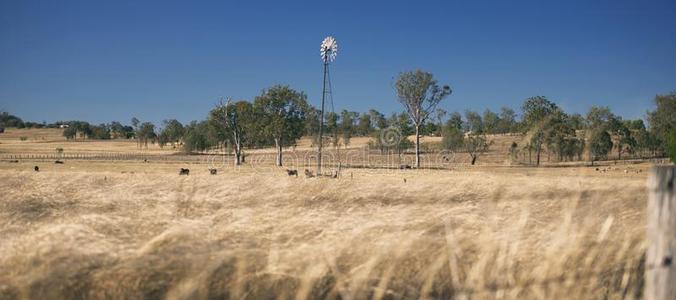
[110,60]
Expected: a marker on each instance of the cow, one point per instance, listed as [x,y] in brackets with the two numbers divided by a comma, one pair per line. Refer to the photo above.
[58,162]
[308,174]
[292,172]
[402,167]
[184,171]
[213,171]
[36,168]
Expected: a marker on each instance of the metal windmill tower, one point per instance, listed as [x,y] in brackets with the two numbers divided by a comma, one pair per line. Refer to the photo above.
[328,52]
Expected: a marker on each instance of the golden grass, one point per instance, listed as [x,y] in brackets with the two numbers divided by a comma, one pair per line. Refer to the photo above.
[45,141]
[86,230]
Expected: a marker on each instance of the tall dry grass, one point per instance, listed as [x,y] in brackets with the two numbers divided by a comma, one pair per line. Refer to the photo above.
[105,235]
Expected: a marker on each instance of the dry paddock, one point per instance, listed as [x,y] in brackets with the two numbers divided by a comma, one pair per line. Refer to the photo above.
[112,230]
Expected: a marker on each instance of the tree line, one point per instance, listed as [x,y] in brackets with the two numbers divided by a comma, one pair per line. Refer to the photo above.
[280,116]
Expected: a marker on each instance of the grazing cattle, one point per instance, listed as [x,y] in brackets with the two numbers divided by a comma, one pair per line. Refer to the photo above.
[36,168]
[213,171]
[58,162]
[402,167]
[308,174]
[184,171]
[292,172]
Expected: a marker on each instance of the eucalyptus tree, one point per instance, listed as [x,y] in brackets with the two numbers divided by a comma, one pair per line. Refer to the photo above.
[378,119]
[600,144]
[473,122]
[452,135]
[238,121]
[475,145]
[347,125]
[536,112]
[312,124]
[455,120]
[420,94]
[507,120]
[364,125]
[332,127]
[662,120]
[171,133]
[491,121]
[282,116]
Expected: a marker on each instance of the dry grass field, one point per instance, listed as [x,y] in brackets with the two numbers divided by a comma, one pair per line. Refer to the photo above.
[132,230]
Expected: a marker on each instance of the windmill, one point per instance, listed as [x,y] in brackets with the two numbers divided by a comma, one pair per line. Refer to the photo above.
[328,51]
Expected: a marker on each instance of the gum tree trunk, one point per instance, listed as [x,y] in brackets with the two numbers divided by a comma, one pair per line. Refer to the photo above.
[278,145]
[417,146]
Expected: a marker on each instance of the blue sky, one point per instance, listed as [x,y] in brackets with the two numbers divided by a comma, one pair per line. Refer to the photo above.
[111,60]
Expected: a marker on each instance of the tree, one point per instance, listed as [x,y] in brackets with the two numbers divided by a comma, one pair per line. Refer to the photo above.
[145,133]
[623,137]
[195,137]
[507,120]
[600,144]
[312,124]
[491,121]
[440,114]
[473,122]
[332,127]
[475,144]
[364,126]
[347,126]
[120,131]
[536,110]
[662,120]
[576,121]
[77,127]
[455,120]
[135,122]
[171,133]
[452,136]
[671,146]
[599,117]
[282,116]
[9,120]
[378,119]
[69,133]
[419,93]
[557,132]
[237,121]
[100,132]
[403,122]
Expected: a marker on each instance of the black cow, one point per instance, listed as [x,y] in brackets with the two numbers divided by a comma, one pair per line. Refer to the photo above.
[58,162]
[184,172]
[292,172]
[36,168]
[213,171]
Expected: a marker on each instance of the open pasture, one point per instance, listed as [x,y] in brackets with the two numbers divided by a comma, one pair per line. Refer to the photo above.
[104,230]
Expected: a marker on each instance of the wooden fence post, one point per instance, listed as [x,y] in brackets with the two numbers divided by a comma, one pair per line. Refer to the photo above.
[660,271]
